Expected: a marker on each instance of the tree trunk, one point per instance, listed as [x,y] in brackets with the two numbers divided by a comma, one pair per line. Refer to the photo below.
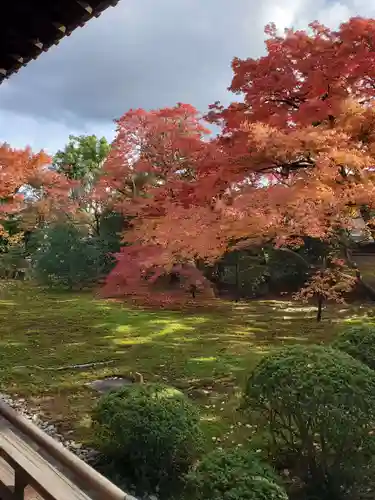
[193,290]
[97,223]
[237,278]
[320,295]
[320,308]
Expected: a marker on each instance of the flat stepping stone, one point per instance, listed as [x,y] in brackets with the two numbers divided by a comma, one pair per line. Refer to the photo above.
[108,384]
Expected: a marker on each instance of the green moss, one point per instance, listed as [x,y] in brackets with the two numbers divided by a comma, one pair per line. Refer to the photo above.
[206,354]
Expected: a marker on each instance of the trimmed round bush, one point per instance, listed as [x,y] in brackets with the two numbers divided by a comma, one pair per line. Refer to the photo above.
[359,342]
[150,432]
[320,404]
[233,475]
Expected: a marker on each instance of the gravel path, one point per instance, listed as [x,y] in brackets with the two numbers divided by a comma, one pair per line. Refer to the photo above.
[86,454]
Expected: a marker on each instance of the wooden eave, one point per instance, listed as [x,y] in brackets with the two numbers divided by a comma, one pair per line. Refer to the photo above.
[30,27]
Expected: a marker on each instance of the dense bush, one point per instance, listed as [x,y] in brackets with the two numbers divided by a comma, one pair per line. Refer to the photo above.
[151,432]
[359,342]
[233,475]
[68,258]
[319,403]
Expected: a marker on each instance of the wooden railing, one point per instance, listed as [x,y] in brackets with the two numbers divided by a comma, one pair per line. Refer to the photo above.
[35,466]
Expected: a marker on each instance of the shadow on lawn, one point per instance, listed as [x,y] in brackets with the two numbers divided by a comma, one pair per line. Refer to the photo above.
[207,354]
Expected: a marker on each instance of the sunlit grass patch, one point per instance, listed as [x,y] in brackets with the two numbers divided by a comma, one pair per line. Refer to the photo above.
[207,355]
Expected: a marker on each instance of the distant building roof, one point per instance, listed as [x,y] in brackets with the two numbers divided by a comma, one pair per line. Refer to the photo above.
[29,27]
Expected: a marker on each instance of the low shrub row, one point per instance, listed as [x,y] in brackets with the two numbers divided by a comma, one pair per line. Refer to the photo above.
[313,404]
[152,435]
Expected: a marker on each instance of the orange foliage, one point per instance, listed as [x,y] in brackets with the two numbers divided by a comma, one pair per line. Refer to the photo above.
[153,161]
[17,168]
[153,149]
[22,170]
[305,76]
[328,284]
[293,158]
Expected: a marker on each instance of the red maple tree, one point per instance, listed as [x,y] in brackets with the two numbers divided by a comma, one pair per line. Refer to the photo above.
[294,158]
[154,162]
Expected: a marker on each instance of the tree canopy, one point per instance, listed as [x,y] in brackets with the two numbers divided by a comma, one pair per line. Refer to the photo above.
[294,159]
[292,164]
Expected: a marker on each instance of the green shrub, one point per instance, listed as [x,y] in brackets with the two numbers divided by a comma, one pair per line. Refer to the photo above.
[67,258]
[233,475]
[320,404]
[151,432]
[359,342]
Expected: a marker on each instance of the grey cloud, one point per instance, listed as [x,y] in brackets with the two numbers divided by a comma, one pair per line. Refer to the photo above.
[153,53]
[142,53]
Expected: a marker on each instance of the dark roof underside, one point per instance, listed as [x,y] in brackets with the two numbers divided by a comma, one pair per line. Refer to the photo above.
[29,27]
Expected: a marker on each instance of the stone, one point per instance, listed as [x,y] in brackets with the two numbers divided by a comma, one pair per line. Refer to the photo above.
[196,393]
[110,383]
[49,428]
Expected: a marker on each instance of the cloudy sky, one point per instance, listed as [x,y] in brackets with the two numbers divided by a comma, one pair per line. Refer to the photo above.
[146,53]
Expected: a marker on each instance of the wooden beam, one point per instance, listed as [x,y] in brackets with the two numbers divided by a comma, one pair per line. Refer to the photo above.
[104,489]
[17,58]
[60,27]
[86,6]
[25,32]
[37,44]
